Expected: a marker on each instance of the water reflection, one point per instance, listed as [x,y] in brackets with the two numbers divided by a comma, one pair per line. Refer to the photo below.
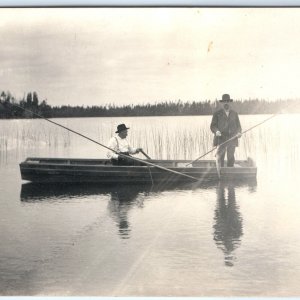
[33,192]
[121,202]
[228,228]
[122,198]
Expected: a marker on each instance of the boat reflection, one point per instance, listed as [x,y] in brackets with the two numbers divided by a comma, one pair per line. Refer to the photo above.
[228,227]
[33,192]
[122,198]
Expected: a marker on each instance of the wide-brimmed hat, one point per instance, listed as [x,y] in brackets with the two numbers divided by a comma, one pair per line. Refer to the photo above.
[226,98]
[121,127]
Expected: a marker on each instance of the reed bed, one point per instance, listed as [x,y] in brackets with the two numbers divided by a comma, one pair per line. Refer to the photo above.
[160,137]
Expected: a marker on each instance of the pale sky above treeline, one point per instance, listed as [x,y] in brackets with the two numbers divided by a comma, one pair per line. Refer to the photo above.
[95,56]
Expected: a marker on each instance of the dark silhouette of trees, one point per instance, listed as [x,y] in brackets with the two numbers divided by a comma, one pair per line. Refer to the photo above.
[29,100]
[10,108]
[164,108]
[45,109]
[35,100]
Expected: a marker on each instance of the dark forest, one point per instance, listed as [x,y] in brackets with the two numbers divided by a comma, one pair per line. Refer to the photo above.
[31,103]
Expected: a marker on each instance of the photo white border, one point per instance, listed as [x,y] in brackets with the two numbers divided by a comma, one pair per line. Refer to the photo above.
[145,3]
[210,3]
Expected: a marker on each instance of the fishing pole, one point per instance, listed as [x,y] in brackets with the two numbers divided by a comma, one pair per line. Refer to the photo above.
[108,148]
[232,138]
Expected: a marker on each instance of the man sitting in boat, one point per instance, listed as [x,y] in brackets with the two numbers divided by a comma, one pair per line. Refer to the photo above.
[226,125]
[120,144]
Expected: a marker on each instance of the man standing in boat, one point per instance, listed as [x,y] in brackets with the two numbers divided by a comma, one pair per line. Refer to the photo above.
[226,125]
[120,144]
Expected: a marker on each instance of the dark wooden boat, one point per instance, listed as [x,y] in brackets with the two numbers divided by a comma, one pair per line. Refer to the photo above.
[62,170]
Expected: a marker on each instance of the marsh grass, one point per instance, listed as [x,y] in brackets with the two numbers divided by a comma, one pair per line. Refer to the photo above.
[26,136]
[161,138]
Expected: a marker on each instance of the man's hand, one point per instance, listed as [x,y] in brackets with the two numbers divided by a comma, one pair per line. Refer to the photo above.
[218,133]
[138,150]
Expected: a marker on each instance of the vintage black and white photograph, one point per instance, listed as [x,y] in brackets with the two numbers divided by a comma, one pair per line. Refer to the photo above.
[149,151]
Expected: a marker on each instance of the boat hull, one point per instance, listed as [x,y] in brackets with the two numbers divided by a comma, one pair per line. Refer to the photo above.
[47,170]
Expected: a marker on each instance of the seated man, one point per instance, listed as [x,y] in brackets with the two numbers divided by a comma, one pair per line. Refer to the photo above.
[120,144]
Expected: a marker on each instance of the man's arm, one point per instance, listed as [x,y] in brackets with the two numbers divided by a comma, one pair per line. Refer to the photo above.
[238,123]
[214,125]
[112,144]
[134,150]
[239,127]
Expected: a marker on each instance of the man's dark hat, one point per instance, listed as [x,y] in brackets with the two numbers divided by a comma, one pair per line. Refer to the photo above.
[226,98]
[121,127]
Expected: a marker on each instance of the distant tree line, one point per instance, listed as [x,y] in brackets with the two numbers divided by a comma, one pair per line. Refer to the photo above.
[31,103]
[10,108]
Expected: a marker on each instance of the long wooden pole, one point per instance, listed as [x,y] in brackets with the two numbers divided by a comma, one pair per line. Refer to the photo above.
[120,154]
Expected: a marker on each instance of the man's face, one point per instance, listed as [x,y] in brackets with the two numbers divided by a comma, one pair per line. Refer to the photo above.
[123,134]
[226,106]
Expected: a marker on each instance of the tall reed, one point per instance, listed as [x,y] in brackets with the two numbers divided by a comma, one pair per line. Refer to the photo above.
[161,138]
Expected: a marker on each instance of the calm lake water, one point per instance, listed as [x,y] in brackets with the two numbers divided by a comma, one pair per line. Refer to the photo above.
[202,240]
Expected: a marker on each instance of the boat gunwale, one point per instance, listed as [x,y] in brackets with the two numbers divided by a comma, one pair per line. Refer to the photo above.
[105,163]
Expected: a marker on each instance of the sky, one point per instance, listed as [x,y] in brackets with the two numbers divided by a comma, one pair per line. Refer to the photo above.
[97,56]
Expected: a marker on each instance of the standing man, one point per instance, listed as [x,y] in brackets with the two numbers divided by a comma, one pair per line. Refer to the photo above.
[225,125]
[120,144]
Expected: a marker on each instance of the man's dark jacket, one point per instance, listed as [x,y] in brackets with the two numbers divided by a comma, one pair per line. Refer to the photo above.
[228,126]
